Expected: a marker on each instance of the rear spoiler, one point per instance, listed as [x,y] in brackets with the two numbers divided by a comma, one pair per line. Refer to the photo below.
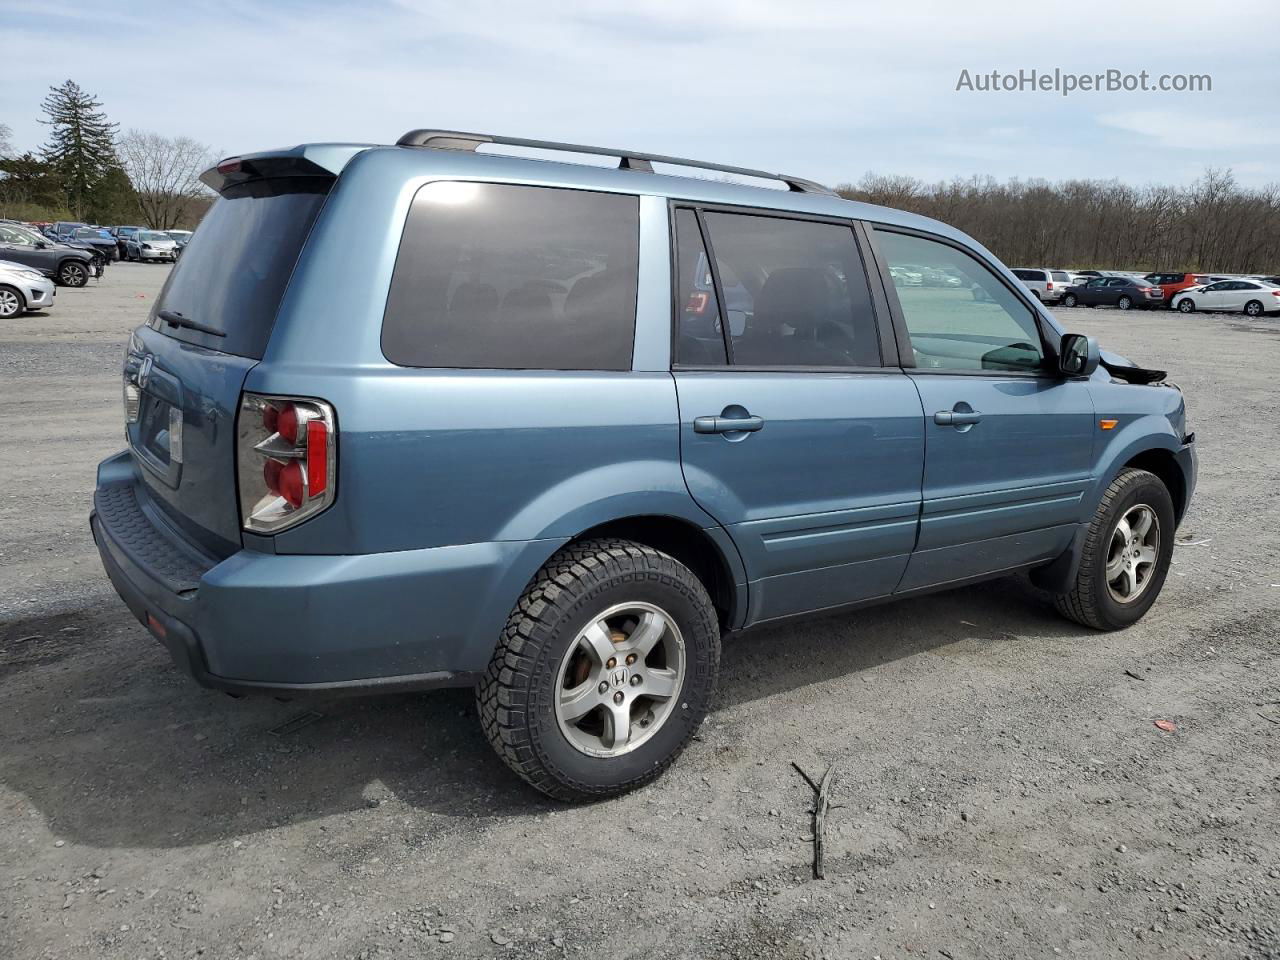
[325,160]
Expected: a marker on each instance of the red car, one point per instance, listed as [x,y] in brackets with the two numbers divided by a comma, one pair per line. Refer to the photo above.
[1171,284]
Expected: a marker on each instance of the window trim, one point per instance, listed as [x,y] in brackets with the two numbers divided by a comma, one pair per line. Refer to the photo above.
[886,339]
[905,356]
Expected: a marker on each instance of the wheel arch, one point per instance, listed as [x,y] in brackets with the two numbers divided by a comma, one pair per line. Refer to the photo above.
[1164,465]
[708,552]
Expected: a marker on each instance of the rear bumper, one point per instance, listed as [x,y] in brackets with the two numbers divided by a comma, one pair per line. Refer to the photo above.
[289,625]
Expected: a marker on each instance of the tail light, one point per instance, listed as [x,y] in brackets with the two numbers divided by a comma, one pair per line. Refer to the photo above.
[286,460]
[1275,293]
[698,301]
[1049,285]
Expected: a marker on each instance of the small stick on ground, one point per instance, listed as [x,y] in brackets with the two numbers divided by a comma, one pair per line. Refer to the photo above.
[820,807]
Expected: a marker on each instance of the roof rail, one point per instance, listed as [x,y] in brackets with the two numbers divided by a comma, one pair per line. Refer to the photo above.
[627,159]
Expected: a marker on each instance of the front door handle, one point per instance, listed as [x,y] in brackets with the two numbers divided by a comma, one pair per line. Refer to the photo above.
[727,424]
[957,418]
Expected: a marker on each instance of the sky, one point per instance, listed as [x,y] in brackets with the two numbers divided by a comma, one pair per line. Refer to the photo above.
[823,89]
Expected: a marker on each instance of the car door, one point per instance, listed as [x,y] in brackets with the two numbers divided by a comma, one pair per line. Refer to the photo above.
[1237,294]
[20,247]
[1008,441]
[1092,293]
[794,433]
[1213,296]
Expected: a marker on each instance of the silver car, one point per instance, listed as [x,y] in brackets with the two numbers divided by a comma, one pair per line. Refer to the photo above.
[23,288]
[150,245]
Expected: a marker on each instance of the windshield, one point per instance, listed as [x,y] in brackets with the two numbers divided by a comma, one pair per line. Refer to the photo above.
[152,235]
[179,234]
[88,233]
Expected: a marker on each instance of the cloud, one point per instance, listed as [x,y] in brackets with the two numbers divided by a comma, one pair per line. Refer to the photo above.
[1195,130]
[817,87]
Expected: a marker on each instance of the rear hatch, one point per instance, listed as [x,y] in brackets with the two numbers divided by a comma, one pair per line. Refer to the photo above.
[208,328]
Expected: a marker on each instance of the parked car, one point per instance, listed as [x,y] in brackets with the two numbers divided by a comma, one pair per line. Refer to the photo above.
[1171,284]
[122,235]
[96,238]
[1046,285]
[64,229]
[69,266]
[1236,296]
[180,239]
[1123,292]
[150,245]
[23,288]
[907,275]
[497,456]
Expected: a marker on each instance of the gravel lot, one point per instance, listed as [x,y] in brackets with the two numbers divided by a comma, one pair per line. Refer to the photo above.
[1002,788]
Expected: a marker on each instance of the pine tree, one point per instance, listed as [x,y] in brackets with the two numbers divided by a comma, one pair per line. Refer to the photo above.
[82,145]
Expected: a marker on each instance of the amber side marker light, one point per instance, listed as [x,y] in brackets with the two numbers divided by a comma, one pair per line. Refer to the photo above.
[1108,424]
[156,626]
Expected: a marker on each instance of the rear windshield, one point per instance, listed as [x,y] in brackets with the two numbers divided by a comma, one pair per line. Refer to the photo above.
[232,274]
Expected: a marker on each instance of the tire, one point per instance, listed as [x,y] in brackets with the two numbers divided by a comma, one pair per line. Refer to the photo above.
[545,643]
[1253,308]
[73,273]
[1069,300]
[1092,601]
[1186,305]
[1036,294]
[1124,303]
[12,302]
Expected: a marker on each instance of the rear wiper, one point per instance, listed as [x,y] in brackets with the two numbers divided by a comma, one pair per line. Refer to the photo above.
[175,319]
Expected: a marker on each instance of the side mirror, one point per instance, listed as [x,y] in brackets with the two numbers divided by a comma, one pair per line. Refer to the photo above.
[41,245]
[1078,355]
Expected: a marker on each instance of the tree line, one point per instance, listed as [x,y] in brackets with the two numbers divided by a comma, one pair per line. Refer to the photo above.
[88,171]
[1214,224]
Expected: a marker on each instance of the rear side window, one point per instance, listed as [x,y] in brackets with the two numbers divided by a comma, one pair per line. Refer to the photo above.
[1060,276]
[795,292]
[511,277]
[232,274]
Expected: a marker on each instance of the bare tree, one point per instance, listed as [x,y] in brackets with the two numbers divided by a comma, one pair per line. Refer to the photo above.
[6,140]
[165,173]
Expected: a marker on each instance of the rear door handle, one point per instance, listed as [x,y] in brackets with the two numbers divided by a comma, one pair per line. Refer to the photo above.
[727,424]
[957,418]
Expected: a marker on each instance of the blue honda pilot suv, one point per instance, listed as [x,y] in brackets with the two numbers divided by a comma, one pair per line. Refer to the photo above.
[429,415]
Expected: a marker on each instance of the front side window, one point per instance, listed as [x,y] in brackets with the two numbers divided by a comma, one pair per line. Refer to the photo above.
[977,325]
[511,277]
[795,292]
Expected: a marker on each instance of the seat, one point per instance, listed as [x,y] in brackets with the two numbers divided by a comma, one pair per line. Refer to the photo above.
[798,298]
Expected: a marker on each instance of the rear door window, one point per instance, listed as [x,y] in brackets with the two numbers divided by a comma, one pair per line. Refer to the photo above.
[795,292]
[511,277]
[232,275]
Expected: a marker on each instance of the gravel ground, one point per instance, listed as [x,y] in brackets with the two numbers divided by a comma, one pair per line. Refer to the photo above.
[1001,789]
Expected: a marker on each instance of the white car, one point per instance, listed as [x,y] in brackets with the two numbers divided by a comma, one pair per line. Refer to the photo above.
[1242,296]
[150,245]
[23,288]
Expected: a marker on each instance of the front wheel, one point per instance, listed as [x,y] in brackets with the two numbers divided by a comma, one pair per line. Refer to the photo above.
[1124,303]
[73,273]
[1069,300]
[1253,308]
[1126,554]
[1186,305]
[11,303]
[605,669]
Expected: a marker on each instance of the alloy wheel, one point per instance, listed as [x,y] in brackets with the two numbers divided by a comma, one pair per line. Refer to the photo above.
[1133,552]
[10,304]
[619,681]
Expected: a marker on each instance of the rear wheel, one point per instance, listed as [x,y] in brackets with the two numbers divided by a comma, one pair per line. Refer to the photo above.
[11,303]
[1253,308]
[1069,300]
[1126,554]
[604,671]
[1186,305]
[1124,303]
[73,273]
